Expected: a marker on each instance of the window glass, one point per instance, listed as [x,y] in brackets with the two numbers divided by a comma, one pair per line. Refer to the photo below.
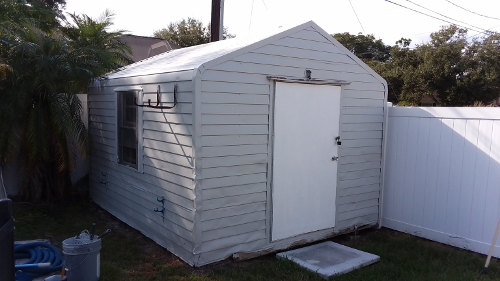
[127,129]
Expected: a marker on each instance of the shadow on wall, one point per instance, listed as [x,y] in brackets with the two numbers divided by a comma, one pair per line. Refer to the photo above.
[442,174]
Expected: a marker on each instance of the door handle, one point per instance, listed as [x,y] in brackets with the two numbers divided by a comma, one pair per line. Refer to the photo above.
[335,158]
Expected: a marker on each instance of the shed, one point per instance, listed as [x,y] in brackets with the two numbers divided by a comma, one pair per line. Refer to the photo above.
[271,143]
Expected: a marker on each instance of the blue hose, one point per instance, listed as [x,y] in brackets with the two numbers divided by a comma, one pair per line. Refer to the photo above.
[43,258]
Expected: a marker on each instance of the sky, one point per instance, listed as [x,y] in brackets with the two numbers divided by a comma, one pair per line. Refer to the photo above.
[385,20]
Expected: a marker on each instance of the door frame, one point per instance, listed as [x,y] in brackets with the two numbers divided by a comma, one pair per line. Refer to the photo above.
[270,143]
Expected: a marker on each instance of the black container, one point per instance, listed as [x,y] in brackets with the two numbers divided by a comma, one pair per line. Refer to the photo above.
[6,241]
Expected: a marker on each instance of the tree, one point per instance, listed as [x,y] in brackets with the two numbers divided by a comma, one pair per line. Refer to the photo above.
[452,69]
[42,69]
[366,47]
[455,71]
[400,72]
[186,33]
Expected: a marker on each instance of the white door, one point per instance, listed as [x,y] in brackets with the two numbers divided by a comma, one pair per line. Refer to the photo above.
[306,123]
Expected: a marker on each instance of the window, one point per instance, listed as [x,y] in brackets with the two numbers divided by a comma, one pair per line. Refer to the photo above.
[127,129]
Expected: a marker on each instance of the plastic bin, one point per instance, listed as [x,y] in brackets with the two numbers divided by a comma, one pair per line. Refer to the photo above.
[6,241]
[82,256]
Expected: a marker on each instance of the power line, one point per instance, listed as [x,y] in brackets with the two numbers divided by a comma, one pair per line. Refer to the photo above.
[264,3]
[465,9]
[432,11]
[474,36]
[431,16]
[356,14]
[251,14]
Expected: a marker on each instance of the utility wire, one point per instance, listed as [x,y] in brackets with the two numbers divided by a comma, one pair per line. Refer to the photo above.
[264,3]
[474,36]
[431,16]
[465,9]
[356,14]
[432,11]
[251,14]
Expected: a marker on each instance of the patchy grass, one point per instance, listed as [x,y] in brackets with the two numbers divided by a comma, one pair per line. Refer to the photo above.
[127,255]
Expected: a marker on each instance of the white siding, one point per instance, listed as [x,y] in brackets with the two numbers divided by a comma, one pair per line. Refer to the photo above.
[235,113]
[442,175]
[167,169]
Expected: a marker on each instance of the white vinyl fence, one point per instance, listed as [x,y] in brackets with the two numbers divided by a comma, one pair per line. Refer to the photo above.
[442,175]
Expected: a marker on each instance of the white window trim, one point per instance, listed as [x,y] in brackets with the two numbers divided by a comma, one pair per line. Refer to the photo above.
[140,120]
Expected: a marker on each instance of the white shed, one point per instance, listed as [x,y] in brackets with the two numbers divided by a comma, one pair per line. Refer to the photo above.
[243,148]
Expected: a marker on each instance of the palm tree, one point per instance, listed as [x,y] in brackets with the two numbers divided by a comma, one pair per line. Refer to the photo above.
[40,113]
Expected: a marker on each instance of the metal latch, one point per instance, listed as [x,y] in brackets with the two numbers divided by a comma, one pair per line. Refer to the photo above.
[337,139]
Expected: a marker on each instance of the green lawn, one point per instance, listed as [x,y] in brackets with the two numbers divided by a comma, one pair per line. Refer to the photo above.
[128,255]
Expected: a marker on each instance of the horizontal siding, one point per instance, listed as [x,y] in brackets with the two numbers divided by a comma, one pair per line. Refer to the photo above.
[233,211]
[235,119]
[234,136]
[233,170]
[233,190]
[219,233]
[145,204]
[133,218]
[220,243]
[231,221]
[236,200]
[169,117]
[233,150]
[239,72]
[175,194]
[167,169]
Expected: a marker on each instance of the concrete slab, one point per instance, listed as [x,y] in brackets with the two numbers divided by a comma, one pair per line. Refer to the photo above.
[329,258]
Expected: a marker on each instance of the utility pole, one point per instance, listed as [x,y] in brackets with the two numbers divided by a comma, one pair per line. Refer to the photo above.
[216,25]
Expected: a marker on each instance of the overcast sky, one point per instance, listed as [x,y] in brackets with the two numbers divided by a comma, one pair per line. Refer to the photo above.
[383,19]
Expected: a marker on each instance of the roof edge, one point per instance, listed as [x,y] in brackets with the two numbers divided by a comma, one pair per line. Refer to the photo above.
[257,44]
[334,41]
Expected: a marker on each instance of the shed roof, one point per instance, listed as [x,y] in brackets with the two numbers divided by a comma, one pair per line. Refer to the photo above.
[191,58]
[180,59]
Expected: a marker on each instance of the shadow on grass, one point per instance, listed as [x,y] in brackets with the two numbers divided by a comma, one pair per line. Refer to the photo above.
[127,255]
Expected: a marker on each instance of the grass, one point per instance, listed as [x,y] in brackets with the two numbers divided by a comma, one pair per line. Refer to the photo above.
[127,255]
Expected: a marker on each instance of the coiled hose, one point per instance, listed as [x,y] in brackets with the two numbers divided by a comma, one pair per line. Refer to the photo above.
[43,258]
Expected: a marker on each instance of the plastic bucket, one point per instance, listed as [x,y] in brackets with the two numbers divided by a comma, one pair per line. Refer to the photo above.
[82,256]
[6,241]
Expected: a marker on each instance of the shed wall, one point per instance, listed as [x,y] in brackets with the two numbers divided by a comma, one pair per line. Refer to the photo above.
[236,119]
[167,158]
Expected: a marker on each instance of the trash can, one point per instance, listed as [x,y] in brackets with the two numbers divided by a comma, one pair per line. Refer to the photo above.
[82,256]
[6,241]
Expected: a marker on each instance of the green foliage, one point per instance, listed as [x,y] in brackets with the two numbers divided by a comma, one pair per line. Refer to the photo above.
[15,13]
[186,33]
[366,47]
[42,66]
[450,68]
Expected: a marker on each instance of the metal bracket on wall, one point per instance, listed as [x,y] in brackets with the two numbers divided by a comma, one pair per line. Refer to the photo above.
[158,100]
[161,209]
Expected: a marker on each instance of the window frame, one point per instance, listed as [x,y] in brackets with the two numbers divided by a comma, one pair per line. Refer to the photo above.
[137,92]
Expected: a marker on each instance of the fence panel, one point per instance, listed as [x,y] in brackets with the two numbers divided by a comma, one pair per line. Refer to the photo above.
[442,175]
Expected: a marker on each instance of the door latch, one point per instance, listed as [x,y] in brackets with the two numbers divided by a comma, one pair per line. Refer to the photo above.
[337,139]
[335,158]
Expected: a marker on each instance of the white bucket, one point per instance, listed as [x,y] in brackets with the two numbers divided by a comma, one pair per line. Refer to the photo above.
[82,257]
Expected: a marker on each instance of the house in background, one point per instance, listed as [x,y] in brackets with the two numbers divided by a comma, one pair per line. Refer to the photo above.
[240,147]
[144,47]
[430,100]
